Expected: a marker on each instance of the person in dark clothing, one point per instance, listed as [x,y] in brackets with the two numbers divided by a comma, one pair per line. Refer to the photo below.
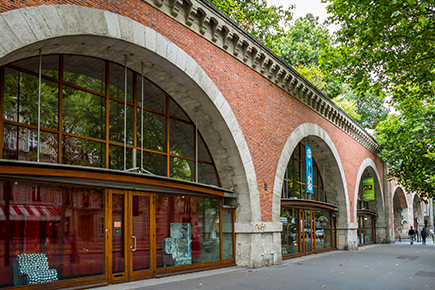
[411,234]
[424,235]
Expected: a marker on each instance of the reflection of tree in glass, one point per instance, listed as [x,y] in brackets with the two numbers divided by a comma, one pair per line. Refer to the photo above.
[181,169]
[154,131]
[21,99]
[116,122]
[77,151]
[83,113]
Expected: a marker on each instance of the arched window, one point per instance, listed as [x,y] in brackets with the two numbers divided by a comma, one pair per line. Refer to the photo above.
[294,185]
[97,113]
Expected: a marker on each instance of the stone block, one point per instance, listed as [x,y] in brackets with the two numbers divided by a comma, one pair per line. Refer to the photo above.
[36,22]
[112,23]
[19,26]
[150,39]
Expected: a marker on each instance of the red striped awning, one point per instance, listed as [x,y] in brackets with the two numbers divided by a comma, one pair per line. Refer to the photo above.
[31,212]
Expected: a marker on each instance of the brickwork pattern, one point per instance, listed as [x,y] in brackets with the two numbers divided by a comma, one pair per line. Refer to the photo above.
[266,113]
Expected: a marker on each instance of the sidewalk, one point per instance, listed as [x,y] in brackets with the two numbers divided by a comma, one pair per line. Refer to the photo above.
[394,266]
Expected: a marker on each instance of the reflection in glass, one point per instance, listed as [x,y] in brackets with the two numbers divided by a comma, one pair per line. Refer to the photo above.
[116,122]
[50,65]
[21,99]
[290,231]
[184,220]
[182,139]
[182,169]
[93,118]
[176,111]
[116,157]
[154,97]
[154,130]
[203,153]
[368,223]
[290,169]
[323,229]
[207,174]
[84,113]
[297,171]
[77,151]
[307,235]
[153,163]
[20,143]
[141,232]
[68,229]
[118,228]
[85,72]
[297,190]
[117,82]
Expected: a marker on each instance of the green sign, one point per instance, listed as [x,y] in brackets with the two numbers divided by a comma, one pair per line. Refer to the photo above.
[368,189]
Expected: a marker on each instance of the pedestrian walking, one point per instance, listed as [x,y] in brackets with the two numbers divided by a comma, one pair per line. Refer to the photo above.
[431,233]
[423,235]
[411,234]
[416,235]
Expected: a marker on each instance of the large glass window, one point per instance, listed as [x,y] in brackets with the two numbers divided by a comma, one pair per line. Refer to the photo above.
[50,232]
[187,230]
[294,185]
[85,120]
[290,231]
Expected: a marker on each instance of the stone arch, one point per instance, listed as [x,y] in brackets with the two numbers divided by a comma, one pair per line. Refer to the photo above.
[400,213]
[324,149]
[368,167]
[94,32]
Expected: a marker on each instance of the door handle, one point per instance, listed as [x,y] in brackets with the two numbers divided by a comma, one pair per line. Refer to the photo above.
[133,237]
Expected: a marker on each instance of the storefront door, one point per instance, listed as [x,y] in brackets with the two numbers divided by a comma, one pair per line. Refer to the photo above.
[306,219]
[129,236]
[366,228]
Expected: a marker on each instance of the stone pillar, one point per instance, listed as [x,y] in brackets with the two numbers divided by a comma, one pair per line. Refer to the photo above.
[347,238]
[258,244]
[383,235]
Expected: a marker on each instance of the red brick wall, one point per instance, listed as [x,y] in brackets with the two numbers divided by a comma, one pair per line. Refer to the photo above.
[267,114]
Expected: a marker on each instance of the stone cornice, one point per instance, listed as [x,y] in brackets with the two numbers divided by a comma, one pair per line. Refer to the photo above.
[206,20]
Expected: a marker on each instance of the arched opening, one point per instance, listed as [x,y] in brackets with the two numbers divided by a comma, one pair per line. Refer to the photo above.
[372,226]
[126,197]
[400,214]
[125,143]
[312,222]
[309,220]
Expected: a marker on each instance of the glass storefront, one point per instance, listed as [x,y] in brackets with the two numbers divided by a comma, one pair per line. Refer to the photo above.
[306,231]
[96,113]
[57,232]
[53,227]
[366,229]
[307,220]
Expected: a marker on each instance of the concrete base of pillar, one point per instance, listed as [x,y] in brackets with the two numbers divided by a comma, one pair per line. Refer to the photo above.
[347,238]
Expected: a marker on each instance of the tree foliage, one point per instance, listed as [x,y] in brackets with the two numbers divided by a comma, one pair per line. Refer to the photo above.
[407,140]
[266,23]
[387,49]
[384,44]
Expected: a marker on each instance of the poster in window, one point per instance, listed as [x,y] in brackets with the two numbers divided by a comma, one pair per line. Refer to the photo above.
[309,164]
[368,189]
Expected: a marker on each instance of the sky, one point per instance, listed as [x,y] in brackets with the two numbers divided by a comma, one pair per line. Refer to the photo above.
[303,7]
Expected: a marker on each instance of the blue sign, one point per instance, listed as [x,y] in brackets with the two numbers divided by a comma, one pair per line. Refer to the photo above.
[309,163]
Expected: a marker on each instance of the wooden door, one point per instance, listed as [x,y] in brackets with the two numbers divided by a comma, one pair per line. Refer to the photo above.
[130,250]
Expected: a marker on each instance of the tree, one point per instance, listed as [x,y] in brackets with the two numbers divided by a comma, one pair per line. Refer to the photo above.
[408,145]
[266,23]
[302,45]
[387,48]
[384,44]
